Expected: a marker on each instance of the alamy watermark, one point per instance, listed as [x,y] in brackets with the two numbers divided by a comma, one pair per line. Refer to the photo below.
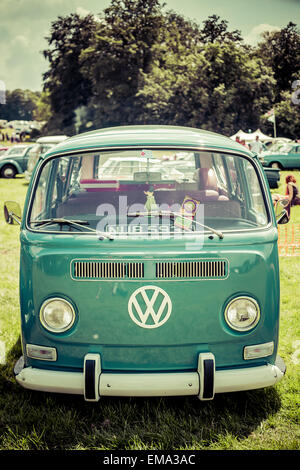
[157,222]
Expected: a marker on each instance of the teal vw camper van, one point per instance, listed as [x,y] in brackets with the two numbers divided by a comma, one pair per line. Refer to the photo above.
[148,267]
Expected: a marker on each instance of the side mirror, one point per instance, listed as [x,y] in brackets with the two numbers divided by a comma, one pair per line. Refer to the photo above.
[12,213]
[281,212]
[283,218]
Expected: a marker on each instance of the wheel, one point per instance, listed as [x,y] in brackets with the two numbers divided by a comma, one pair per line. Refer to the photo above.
[276,165]
[8,171]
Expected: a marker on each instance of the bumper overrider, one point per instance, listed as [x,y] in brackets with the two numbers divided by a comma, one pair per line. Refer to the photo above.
[92,383]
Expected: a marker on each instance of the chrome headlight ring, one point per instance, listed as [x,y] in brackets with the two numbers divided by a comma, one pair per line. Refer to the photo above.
[242,313]
[57,315]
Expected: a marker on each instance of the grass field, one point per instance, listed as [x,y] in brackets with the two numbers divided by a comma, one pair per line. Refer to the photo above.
[265,419]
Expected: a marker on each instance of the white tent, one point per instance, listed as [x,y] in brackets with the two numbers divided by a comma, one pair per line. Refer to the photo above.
[241,134]
[250,136]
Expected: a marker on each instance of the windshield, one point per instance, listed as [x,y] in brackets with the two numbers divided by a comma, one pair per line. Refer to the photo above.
[144,191]
[286,148]
[275,147]
[19,150]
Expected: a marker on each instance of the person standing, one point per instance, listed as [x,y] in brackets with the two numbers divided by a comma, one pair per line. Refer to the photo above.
[256,146]
[243,142]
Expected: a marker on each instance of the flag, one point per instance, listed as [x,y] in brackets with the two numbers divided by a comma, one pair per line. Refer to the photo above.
[270,115]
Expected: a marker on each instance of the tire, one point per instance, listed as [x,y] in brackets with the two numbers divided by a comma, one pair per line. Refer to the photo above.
[276,165]
[8,171]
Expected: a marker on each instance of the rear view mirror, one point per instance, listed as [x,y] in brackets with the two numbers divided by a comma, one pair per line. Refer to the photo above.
[12,213]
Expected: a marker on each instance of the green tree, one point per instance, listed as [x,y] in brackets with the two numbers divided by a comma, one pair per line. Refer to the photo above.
[142,63]
[215,29]
[178,35]
[123,50]
[136,64]
[281,51]
[42,112]
[287,114]
[219,89]
[64,82]
[19,105]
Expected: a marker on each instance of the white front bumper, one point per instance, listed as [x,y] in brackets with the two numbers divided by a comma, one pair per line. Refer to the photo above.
[149,384]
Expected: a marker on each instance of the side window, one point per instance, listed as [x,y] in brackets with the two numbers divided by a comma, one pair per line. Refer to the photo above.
[232,171]
[220,171]
[74,175]
[255,207]
[60,180]
[227,175]
[39,209]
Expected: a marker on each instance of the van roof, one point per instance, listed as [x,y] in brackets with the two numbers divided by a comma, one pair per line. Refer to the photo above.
[51,139]
[148,136]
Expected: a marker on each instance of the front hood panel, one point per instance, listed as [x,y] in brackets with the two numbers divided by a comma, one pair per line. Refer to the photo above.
[149,308]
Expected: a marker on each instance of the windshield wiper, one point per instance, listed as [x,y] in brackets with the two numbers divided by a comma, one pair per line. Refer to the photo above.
[174,214]
[56,220]
[73,223]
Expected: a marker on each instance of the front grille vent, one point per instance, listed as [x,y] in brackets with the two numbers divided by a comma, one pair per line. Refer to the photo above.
[171,270]
[107,270]
[191,269]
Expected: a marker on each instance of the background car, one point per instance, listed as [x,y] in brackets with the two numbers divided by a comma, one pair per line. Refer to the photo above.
[14,160]
[272,174]
[273,177]
[276,146]
[3,150]
[287,157]
[41,146]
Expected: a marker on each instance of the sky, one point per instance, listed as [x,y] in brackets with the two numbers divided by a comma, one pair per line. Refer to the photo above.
[24,24]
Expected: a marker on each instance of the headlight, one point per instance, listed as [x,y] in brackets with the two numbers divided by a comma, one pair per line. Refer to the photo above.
[242,313]
[57,315]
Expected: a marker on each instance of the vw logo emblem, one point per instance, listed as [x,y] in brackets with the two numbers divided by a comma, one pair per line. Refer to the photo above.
[149,307]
